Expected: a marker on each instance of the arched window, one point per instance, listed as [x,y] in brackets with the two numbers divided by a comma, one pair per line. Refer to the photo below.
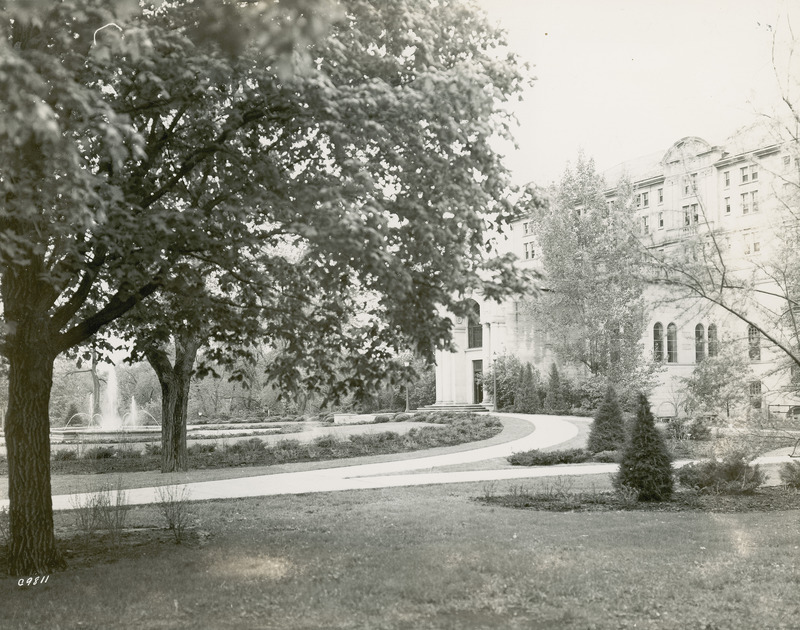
[699,343]
[672,343]
[658,342]
[474,326]
[713,343]
[754,341]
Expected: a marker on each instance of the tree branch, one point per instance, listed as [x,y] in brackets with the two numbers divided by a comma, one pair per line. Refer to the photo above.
[116,307]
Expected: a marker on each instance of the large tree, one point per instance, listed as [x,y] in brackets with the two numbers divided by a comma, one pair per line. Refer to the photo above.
[148,150]
[592,307]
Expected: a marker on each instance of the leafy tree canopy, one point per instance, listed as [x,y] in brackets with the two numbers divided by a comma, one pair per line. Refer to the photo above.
[151,151]
[335,207]
[592,306]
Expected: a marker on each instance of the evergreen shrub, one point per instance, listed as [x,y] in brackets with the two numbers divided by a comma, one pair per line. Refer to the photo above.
[645,465]
[732,475]
[608,429]
[549,458]
[526,398]
[790,474]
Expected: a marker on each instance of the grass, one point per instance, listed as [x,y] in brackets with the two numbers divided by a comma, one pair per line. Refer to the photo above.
[366,559]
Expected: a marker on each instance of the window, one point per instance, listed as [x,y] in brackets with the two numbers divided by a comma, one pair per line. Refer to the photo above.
[645,225]
[745,171]
[754,200]
[786,160]
[525,228]
[660,220]
[727,205]
[756,247]
[713,344]
[687,219]
[645,199]
[745,203]
[660,195]
[474,326]
[529,251]
[699,343]
[658,342]
[695,215]
[755,394]
[754,173]
[727,175]
[754,343]
[672,344]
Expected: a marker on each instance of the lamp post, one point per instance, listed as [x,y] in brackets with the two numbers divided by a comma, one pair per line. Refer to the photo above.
[494,380]
[408,408]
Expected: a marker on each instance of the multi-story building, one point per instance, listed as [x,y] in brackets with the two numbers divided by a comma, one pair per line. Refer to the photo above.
[739,192]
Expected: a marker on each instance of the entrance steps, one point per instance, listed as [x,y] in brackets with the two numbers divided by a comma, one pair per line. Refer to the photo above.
[456,407]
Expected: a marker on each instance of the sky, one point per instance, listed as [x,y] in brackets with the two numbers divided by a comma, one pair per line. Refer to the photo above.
[620,79]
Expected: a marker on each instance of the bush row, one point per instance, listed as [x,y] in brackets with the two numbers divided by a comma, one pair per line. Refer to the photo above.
[457,428]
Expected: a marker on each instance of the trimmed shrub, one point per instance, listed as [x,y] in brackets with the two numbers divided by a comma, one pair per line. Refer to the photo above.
[64,456]
[549,458]
[607,457]
[197,449]
[732,475]
[608,428]
[253,446]
[646,465]
[128,453]
[325,441]
[98,452]
[382,417]
[790,474]
[152,449]
[401,417]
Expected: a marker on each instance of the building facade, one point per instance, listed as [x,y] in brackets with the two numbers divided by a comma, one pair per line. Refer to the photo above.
[738,193]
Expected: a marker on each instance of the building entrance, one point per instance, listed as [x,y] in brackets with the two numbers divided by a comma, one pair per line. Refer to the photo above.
[477,382]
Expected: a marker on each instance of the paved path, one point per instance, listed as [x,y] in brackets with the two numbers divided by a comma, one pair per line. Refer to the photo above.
[549,431]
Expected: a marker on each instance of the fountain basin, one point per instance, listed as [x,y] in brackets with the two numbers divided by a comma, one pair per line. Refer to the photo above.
[67,435]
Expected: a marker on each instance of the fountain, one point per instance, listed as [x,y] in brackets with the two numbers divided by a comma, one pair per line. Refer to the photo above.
[108,424]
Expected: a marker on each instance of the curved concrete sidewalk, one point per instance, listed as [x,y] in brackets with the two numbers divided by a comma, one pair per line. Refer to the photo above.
[548,431]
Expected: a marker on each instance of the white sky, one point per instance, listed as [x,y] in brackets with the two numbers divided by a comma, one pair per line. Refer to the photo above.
[626,78]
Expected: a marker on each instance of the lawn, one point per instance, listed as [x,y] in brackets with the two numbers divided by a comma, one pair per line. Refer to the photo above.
[425,557]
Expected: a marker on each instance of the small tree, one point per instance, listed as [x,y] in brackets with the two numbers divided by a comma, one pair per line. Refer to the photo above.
[608,428]
[718,385]
[554,400]
[526,398]
[646,464]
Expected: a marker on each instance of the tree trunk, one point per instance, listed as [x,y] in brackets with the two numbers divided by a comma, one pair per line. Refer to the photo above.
[32,545]
[175,380]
